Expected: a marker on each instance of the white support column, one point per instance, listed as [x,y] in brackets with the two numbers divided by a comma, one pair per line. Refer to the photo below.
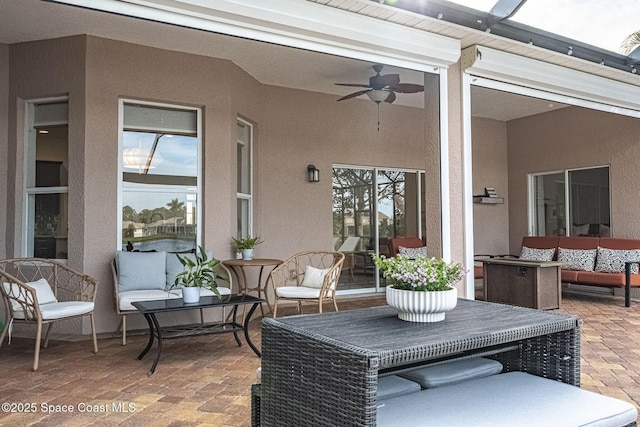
[467,162]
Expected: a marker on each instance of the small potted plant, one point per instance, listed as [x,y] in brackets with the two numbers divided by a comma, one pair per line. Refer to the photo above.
[246,245]
[421,289]
[199,272]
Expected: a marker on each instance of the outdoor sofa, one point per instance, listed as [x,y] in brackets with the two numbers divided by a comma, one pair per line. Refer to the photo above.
[592,261]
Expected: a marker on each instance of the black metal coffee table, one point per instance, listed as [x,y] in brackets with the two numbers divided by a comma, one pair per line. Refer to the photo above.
[150,308]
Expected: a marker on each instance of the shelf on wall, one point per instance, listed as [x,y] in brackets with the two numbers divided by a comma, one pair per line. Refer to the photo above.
[488,200]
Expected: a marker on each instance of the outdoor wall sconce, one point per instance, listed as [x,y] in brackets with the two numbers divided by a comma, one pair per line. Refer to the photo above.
[314,173]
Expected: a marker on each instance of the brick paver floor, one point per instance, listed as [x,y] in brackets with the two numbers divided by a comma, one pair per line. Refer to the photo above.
[205,381]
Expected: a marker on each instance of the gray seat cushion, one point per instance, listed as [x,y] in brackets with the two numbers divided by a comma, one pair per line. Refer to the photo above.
[510,399]
[453,372]
[393,385]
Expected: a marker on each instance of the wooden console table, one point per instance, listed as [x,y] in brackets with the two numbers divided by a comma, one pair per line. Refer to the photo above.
[322,369]
[525,283]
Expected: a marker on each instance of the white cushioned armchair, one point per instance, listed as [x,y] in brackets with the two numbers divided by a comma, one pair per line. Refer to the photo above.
[307,276]
[41,292]
[145,276]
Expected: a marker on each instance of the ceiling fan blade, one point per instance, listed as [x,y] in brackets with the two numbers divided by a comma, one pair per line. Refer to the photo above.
[353,85]
[379,82]
[354,94]
[391,97]
[407,88]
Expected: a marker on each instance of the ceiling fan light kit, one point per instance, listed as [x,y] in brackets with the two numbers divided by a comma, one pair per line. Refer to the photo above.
[378,96]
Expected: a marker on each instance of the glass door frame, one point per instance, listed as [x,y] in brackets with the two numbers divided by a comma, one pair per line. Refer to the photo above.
[420,173]
[532,199]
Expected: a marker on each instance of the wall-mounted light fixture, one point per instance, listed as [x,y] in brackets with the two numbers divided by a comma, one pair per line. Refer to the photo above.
[314,173]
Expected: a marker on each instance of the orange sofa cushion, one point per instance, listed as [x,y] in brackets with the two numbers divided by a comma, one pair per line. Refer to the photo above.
[616,243]
[569,276]
[605,279]
[540,242]
[578,242]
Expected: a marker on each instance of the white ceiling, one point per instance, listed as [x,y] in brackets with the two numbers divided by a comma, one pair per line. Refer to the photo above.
[29,20]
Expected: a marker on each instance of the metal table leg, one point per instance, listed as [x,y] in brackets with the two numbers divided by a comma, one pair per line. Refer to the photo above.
[246,330]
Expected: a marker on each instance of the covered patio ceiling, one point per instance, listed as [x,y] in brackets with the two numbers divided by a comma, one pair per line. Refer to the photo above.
[28,20]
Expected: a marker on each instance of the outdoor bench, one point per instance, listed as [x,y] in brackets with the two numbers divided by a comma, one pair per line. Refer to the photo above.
[508,399]
[475,392]
[593,261]
[147,276]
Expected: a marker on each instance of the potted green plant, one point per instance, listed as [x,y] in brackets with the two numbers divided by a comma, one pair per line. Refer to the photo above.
[246,245]
[420,288]
[199,272]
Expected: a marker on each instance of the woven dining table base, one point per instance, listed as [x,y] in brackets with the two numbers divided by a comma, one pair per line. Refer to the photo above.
[323,370]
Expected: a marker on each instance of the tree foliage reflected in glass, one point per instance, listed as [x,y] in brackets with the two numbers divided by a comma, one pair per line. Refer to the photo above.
[159,179]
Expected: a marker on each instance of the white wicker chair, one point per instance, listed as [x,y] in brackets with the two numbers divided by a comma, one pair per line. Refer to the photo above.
[41,292]
[307,276]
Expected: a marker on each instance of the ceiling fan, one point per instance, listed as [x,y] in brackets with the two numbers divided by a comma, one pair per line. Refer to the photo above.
[382,88]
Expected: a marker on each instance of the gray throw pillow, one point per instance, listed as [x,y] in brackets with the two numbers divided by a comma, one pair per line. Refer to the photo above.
[141,270]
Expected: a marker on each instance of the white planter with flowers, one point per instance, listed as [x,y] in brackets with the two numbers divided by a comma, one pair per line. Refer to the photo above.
[421,289]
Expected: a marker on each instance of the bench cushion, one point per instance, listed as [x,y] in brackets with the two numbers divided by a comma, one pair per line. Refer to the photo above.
[141,270]
[394,385]
[58,310]
[454,372]
[510,399]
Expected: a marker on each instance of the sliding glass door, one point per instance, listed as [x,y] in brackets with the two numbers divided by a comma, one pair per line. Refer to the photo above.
[580,195]
[371,206]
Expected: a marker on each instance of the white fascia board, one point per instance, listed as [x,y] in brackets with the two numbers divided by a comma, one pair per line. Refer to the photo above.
[527,72]
[299,24]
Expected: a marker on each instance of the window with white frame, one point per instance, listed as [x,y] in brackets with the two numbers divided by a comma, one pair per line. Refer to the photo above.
[47,160]
[582,195]
[160,155]
[245,178]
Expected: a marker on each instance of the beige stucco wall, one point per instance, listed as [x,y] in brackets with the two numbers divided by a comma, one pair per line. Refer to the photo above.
[489,151]
[574,138]
[40,70]
[4,142]
[292,129]
[312,128]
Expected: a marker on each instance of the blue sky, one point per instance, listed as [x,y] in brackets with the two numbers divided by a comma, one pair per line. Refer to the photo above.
[602,23]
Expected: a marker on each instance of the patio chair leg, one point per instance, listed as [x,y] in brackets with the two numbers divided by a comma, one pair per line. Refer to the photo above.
[4,331]
[335,304]
[46,336]
[124,329]
[275,308]
[93,332]
[36,356]
[320,307]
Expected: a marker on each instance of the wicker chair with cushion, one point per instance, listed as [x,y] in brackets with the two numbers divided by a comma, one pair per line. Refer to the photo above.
[41,292]
[307,276]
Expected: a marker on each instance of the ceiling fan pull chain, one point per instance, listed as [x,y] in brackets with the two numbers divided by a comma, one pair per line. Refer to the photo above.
[378,116]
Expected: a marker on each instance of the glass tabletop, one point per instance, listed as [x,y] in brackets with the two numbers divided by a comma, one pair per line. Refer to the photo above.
[177,304]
